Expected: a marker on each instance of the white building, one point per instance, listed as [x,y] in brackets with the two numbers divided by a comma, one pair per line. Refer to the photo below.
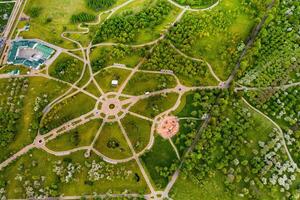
[114,83]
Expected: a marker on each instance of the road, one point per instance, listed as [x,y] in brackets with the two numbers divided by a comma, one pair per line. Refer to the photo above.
[12,19]
[250,42]
[194,9]
[11,25]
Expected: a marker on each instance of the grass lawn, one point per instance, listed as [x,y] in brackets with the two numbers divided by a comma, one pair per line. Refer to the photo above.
[162,154]
[59,13]
[223,29]
[155,105]
[92,88]
[135,6]
[66,110]
[37,88]
[105,76]
[111,142]
[66,68]
[38,163]
[261,129]
[138,131]
[142,82]
[85,78]
[78,137]
[236,30]
[8,68]
[212,189]
[185,108]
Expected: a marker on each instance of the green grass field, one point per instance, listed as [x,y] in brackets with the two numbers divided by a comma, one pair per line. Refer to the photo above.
[143,82]
[155,105]
[105,77]
[10,68]
[161,155]
[92,88]
[85,78]
[38,88]
[138,131]
[211,189]
[59,14]
[78,137]
[66,110]
[66,68]
[37,164]
[112,143]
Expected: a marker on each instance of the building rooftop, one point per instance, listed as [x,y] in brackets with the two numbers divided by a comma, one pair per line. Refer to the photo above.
[29,53]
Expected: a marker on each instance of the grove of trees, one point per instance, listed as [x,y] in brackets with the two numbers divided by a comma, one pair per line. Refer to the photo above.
[11,108]
[82,17]
[100,4]
[68,69]
[164,57]
[197,3]
[124,28]
[276,53]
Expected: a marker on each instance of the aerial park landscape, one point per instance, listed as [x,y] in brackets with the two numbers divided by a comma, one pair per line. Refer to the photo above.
[149,99]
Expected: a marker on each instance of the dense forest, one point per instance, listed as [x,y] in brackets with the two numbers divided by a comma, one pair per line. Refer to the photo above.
[124,28]
[164,57]
[276,52]
[226,148]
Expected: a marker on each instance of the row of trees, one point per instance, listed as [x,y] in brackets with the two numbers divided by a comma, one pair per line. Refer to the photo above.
[99,4]
[34,11]
[124,28]
[282,105]
[197,3]
[82,17]
[39,104]
[11,107]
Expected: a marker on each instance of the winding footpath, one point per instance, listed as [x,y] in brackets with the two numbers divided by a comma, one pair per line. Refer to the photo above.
[277,127]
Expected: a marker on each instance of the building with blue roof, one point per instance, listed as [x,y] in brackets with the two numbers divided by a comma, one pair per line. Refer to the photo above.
[29,53]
